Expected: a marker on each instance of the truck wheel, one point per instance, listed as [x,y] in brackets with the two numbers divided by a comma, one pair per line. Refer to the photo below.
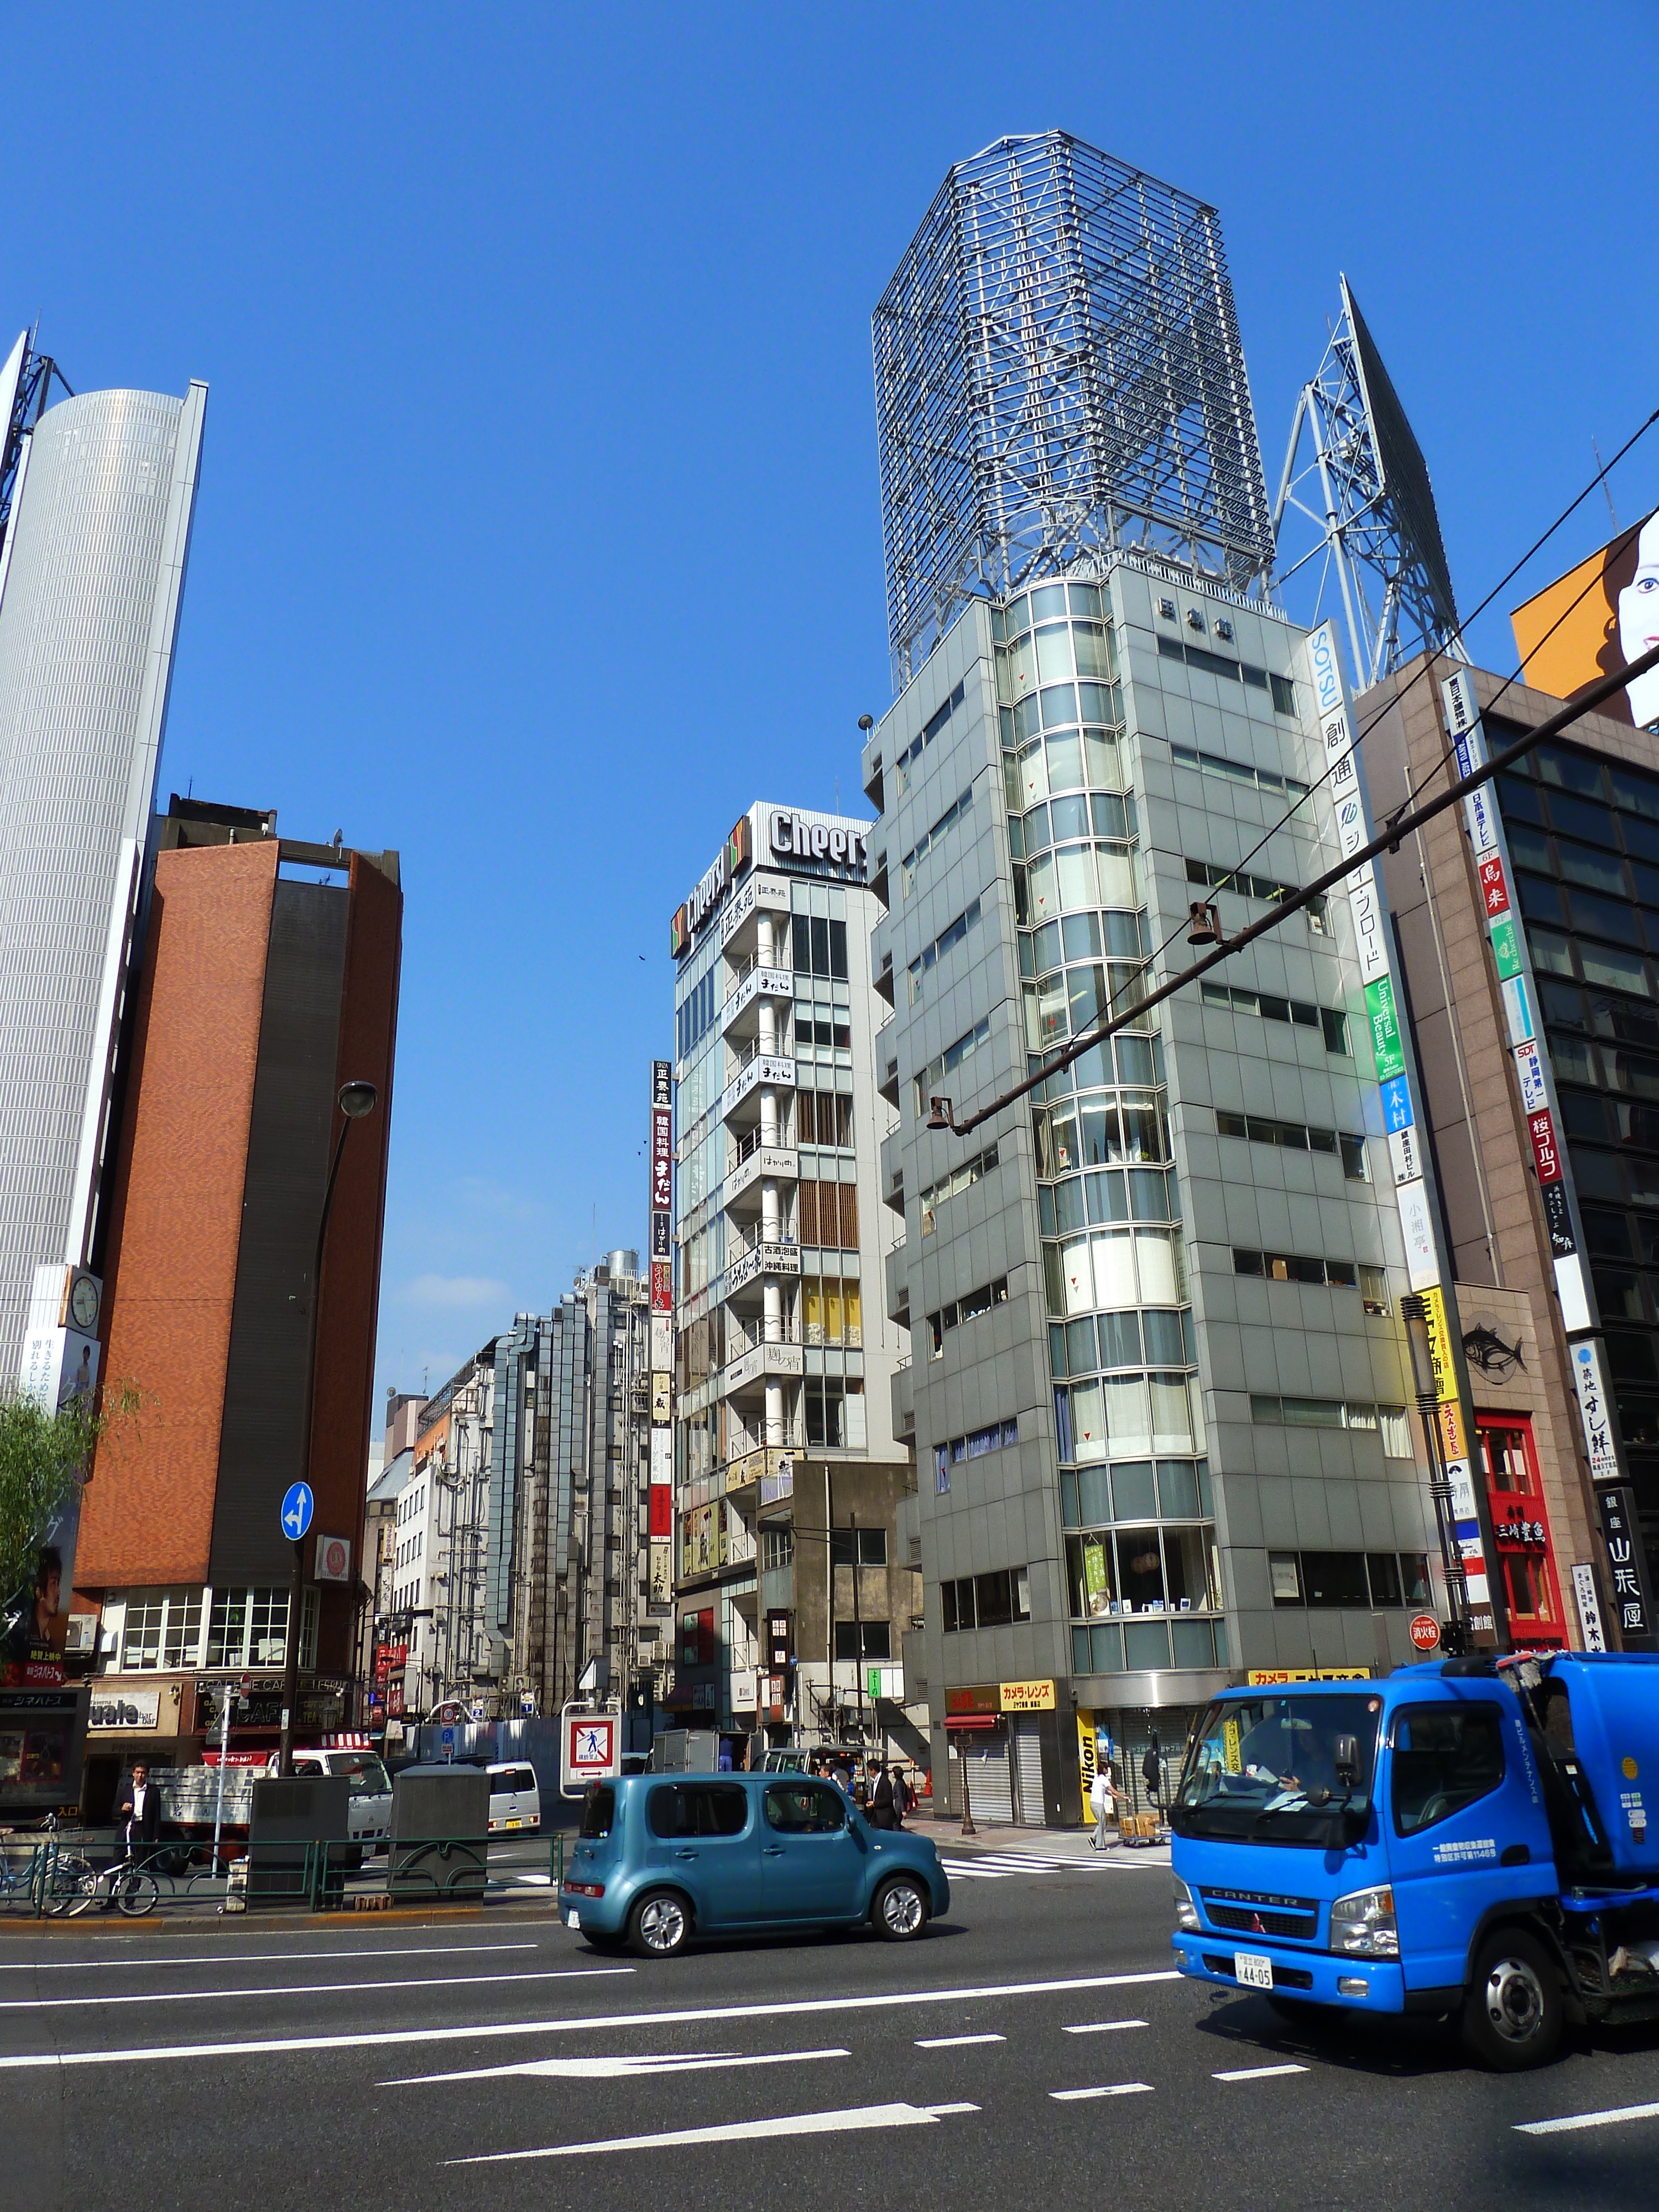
[1513,2012]
[661,1924]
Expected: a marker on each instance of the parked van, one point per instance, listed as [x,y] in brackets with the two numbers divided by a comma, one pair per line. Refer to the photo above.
[516,1800]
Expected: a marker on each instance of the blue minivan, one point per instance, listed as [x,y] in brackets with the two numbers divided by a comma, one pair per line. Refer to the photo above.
[660,1858]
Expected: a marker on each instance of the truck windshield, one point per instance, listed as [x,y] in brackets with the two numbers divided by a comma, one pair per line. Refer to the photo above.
[1264,1770]
[366,1773]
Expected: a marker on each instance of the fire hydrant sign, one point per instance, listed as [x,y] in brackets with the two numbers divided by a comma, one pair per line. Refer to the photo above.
[592,1749]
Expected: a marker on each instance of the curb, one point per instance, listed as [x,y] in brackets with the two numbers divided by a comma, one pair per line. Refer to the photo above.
[227,1923]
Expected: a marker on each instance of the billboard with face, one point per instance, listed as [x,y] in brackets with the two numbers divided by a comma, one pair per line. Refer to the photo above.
[1594,620]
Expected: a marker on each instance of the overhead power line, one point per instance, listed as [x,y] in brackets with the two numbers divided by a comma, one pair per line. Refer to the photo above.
[1401,826]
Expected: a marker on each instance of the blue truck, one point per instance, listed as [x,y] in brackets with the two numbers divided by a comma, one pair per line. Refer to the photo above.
[1463,1838]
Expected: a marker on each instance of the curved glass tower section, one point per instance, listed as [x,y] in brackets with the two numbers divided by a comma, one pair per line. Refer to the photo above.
[95,565]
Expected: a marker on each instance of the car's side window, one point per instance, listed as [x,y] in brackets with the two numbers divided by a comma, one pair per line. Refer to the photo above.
[1445,1759]
[804,1808]
[667,1812]
[698,1808]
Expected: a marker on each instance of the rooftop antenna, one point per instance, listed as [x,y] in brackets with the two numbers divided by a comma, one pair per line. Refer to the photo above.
[1601,470]
[1365,490]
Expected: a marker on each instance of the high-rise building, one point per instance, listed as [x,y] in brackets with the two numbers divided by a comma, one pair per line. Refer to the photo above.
[269,979]
[97,495]
[1161,1378]
[795,1587]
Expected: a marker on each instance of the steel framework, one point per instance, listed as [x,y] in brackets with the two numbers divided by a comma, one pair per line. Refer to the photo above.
[1365,487]
[1059,373]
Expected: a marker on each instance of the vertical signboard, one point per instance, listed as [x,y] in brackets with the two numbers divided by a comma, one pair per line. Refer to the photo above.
[1401,1094]
[661,1515]
[1633,1609]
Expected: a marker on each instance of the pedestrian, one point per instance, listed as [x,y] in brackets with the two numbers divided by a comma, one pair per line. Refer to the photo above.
[903,1798]
[841,1775]
[1100,1801]
[881,1801]
[141,1814]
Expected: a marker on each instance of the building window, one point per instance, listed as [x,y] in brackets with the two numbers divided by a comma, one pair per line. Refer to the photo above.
[968,1307]
[824,1117]
[1388,1421]
[819,947]
[1373,1581]
[863,1640]
[959,1178]
[777,1548]
[1264,888]
[163,1630]
[993,1601]
[1259,779]
[871,1546]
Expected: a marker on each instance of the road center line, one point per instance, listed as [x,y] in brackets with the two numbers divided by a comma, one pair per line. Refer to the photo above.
[381,2038]
[1257,2073]
[954,2042]
[855,2117]
[262,1958]
[1610,2118]
[1100,2026]
[1115,2089]
[310,1988]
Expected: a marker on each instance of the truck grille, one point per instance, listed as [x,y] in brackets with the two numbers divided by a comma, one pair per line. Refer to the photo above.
[1244,1912]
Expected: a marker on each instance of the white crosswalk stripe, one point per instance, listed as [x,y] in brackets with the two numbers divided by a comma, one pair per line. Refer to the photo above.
[1005,1866]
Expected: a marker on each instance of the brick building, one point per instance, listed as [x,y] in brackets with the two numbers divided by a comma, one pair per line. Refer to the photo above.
[269,978]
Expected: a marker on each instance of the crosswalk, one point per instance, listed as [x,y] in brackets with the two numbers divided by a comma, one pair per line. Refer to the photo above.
[1007,1866]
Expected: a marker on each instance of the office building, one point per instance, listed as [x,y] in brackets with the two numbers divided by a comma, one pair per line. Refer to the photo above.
[270,979]
[1160,1380]
[794,1583]
[1531,929]
[97,495]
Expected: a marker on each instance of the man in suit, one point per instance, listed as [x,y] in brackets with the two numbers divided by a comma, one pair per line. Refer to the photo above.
[142,1812]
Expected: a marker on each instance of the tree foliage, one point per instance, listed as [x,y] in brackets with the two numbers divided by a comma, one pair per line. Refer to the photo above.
[42,1457]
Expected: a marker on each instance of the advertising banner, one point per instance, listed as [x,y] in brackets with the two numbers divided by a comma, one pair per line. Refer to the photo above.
[662,1574]
[1595,619]
[1621,1537]
[1426,1266]
[1590,1608]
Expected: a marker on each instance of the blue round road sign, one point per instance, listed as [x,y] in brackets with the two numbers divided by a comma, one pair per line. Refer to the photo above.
[298,1506]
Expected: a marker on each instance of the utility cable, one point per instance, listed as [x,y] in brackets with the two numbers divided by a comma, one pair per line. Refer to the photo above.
[1401,826]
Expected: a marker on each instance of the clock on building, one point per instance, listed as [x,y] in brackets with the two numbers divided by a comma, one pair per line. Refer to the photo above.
[84,1301]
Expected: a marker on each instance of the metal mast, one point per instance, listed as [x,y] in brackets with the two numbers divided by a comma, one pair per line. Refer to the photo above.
[1059,373]
[1365,489]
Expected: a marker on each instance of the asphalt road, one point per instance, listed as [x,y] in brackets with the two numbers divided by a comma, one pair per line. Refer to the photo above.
[1034,2049]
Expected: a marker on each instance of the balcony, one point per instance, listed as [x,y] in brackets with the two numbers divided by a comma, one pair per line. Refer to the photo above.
[753,1260]
[903,1389]
[760,1364]
[898,1279]
[758,1164]
[760,1070]
[757,986]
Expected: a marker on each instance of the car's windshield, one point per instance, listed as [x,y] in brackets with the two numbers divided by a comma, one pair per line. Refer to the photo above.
[1265,1767]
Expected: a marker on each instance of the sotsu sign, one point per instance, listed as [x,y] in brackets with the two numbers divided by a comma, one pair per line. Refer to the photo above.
[591,1751]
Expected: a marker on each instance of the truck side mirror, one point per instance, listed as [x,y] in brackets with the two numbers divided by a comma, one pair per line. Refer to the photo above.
[1347,1761]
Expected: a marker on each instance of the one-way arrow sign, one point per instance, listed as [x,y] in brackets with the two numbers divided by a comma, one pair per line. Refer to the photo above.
[298,1506]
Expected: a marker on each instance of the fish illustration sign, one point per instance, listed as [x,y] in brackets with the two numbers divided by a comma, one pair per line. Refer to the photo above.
[592,1751]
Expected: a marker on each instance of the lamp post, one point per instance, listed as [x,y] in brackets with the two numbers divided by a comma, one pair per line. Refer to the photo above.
[1415,1312]
[355,1101]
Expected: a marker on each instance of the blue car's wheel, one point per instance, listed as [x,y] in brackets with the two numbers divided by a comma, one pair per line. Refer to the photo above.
[899,1911]
[661,1924]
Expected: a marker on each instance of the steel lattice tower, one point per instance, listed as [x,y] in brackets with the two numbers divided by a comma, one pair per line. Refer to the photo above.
[1059,373]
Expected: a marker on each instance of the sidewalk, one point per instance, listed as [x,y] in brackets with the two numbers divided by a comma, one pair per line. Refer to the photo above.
[1037,1843]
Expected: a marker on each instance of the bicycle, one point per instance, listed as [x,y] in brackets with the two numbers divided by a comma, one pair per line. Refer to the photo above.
[133,1890]
[62,1875]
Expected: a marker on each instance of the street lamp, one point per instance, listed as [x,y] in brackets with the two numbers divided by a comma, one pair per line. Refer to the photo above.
[354,1100]
[1415,1310]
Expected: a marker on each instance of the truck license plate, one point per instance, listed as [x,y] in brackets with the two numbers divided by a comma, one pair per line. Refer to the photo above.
[1253,1971]
[515,1824]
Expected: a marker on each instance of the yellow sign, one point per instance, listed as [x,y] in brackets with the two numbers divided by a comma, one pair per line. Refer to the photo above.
[1453,1442]
[1025,1697]
[1445,1373]
[1269,1678]
[1088,1765]
[1232,1756]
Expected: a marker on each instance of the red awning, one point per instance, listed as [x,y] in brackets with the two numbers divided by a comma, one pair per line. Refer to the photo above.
[971,1721]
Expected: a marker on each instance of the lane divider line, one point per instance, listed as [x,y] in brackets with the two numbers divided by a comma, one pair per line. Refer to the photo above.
[1257,2073]
[261,1958]
[1100,2026]
[312,1989]
[382,2039]
[1612,2118]
[1114,2090]
[954,2042]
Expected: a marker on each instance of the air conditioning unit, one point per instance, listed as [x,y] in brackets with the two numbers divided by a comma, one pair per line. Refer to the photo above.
[83,1632]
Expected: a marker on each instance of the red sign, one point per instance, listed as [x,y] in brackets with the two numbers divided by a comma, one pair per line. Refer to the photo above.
[662,1510]
[662,1286]
[590,1747]
[1493,888]
[1546,1153]
[1424,1632]
[387,1656]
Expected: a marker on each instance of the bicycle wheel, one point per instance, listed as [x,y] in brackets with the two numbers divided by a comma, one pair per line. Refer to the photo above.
[74,1886]
[137,1893]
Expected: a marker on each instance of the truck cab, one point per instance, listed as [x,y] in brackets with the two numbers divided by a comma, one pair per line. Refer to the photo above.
[1460,1838]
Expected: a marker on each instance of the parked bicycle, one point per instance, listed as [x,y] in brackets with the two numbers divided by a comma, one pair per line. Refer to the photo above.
[127,1886]
[48,1879]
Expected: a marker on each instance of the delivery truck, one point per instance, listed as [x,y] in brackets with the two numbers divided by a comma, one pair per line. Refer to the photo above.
[190,1799]
[1465,1839]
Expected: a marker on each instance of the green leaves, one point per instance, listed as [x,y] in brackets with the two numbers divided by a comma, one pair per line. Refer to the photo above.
[42,1457]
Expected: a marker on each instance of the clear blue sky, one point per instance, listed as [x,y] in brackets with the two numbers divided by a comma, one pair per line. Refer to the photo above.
[539,526]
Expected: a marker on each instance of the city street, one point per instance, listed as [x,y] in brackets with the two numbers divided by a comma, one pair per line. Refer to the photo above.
[1033,2048]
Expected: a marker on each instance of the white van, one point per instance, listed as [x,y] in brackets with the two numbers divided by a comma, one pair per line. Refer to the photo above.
[516,1800]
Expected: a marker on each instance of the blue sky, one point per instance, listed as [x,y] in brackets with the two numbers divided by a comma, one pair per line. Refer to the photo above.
[539,527]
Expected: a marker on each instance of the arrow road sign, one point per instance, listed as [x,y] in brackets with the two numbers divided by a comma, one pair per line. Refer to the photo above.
[298,1506]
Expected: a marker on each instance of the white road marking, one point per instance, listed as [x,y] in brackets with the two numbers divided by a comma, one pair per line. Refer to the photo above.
[533,1881]
[148,1958]
[855,2118]
[381,2038]
[1610,2118]
[1100,2026]
[620,2069]
[954,2042]
[311,1989]
[1258,2073]
[1116,2089]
